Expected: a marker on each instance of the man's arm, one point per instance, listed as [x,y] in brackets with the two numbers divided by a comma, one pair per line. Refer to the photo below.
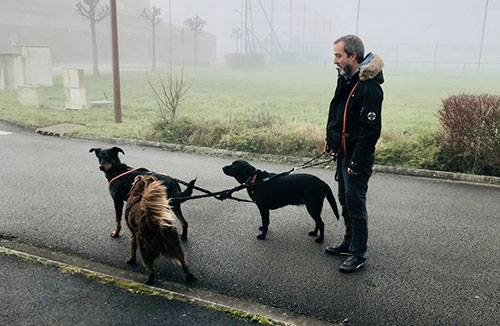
[370,125]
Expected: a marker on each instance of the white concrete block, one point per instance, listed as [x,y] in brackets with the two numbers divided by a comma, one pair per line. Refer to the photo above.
[31,95]
[72,78]
[11,70]
[76,98]
[37,65]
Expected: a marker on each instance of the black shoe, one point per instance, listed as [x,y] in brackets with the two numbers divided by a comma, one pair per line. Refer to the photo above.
[339,250]
[352,263]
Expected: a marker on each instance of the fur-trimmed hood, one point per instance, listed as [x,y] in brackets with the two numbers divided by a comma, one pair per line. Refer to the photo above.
[371,68]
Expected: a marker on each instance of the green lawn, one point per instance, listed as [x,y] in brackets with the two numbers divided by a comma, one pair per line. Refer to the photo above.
[297,97]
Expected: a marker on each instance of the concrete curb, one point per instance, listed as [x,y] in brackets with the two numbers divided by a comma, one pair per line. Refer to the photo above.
[462,177]
[482,179]
[170,290]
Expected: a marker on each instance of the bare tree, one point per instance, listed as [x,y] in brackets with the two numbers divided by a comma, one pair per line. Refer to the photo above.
[152,15]
[195,24]
[171,93]
[87,8]
[236,34]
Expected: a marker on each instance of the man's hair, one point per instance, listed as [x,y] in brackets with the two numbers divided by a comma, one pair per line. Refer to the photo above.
[353,45]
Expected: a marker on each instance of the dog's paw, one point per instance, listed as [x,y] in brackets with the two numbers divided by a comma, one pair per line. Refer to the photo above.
[115,234]
[319,240]
[149,282]
[261,237]
[131,261]
[190,278]
[313,234]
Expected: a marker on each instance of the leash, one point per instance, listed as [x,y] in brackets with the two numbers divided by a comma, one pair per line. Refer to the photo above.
[221,195]
[125,173]
[344,140]
[207,192]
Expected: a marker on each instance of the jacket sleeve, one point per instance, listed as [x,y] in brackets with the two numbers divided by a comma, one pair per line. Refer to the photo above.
[370,125]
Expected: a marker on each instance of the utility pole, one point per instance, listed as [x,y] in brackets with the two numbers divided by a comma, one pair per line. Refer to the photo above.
[357,19]
[170,33]
[116,64]
[304,30]
[272,28]
[290,28]
[482,37]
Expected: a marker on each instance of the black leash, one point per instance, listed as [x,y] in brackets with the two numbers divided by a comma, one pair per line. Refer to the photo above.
[227,193]
[207,192]
[221,195]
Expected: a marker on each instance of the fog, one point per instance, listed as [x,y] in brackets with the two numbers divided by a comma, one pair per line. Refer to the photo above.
[443,33]
[453,27]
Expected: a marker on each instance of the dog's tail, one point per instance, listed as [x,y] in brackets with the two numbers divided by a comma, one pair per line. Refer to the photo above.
[331,200]
[189,189]
[158,220]
[155,206]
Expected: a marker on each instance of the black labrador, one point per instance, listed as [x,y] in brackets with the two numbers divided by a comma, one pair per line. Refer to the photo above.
[272,191]
[121,176]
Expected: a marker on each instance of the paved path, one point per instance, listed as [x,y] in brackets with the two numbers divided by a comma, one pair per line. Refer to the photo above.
[34,294]
[434,246]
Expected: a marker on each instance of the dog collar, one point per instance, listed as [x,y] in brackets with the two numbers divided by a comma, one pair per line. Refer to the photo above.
[125,173]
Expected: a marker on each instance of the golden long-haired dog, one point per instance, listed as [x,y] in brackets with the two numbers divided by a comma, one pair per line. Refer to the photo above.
[149,219]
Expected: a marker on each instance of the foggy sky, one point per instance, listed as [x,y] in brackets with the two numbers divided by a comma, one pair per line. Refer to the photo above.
[381,21]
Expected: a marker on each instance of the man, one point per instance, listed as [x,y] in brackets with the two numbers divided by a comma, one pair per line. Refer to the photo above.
[353,128]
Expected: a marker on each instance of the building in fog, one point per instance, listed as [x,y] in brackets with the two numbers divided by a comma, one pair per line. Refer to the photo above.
[57,24]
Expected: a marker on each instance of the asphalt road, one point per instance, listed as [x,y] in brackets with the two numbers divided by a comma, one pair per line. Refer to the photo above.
[434,245]
[68,299]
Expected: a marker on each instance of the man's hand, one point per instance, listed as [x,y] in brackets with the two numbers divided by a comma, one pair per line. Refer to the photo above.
[351,167]
[327,149]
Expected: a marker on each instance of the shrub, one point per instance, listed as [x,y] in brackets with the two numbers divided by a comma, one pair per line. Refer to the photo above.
[397,148]
[264,133]
[470,139]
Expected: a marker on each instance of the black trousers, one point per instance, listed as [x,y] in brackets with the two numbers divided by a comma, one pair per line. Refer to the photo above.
[352,197]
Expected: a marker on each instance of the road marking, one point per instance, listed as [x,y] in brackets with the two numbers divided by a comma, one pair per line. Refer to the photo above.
[3,133]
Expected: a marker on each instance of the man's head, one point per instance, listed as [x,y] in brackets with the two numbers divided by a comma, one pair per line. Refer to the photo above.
[348,53]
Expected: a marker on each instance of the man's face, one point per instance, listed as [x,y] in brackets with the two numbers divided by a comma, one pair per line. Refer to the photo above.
[342,60]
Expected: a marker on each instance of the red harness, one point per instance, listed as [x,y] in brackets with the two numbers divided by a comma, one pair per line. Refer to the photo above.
[127,172]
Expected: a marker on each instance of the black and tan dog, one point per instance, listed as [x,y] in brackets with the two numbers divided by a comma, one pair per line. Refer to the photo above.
[271,191]
[121,177]
[149,219]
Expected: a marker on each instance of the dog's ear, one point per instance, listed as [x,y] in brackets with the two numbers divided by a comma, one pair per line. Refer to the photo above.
[96,150]
[117,150]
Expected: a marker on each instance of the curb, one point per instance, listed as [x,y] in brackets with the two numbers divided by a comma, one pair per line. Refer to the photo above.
[170,290]
[272,158]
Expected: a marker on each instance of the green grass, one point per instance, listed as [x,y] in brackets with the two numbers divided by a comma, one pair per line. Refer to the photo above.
[297,99]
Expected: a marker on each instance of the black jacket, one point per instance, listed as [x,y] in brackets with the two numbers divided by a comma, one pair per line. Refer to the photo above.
[363,117]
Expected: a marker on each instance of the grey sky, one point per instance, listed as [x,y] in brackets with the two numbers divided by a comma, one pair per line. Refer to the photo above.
[381,21]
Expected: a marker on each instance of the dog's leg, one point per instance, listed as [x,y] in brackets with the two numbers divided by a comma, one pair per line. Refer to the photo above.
[148,259]
[178,213]
[315,212]
[264,214]
[118,211]
[131,260]
[189,276]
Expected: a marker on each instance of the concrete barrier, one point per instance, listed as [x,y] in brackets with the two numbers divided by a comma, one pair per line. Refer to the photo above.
[36,65]
[74,91]
[31,95]
[11,70]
